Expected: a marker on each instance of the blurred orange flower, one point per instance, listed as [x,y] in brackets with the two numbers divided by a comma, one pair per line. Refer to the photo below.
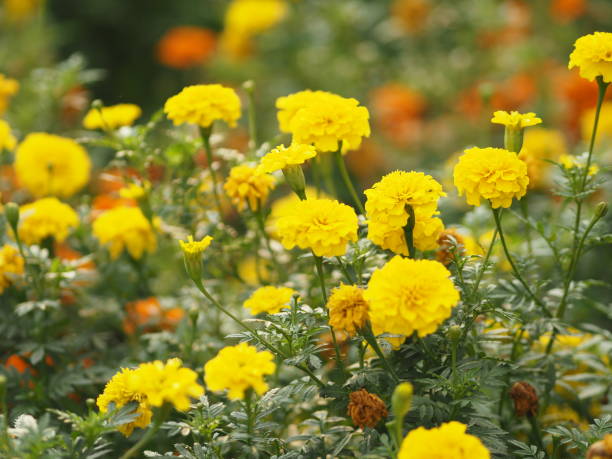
[186,46]
[514,92]
[148,315]
[411,14]
[567,10]
[104,202]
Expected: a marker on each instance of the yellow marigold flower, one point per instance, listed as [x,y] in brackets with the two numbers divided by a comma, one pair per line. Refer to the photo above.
[251,17]
[11,265]
[285,205]
[125,228]
[515,119]
[424,235]
[45,218]
[19,10]
[203,104]
[246,185]
[604,127]
[450,440]
[593,56]
[570,161]
[112,117]
[348,309]
[491,173]
[132,191]
[8,88]
[269,299]
[48,164]
[239,368]
[322,225]
[7,140]
[191,247]
[539,147]
[410,295]
[168,382]
[282,156]
[324,120]
[121,390]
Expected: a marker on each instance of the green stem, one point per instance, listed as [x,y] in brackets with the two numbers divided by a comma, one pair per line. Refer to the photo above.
[515,270]
[524,203]
[347,179]
[325,161]
[409,232]
[345,271]
[537,434]
[368,335]
[262,229]
[251,414]
[158,420]
[249,87]
[205,133]
[485,262]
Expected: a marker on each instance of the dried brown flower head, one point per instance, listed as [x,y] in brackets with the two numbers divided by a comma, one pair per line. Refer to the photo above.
[525,399]
[601,449]
[450,243]
[366,409]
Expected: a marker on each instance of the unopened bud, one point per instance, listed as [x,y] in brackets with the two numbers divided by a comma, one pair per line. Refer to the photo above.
[454,333]
[97,104]
[525,399]
[401,400]
[11,211]
[192,255]
[91,403]
[513,139]
[295,178]
[601,210]
[601,449]
[248,85]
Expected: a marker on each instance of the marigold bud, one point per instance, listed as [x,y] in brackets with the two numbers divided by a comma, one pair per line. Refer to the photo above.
[192,255]
[295,178]
[365,409]
[601,449]
[601,210]
[454,333]
[525,399]
[11,211]
[401,400]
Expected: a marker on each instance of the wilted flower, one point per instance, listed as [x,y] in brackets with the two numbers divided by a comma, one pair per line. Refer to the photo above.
[525,399]
[366,409]
[238,369]
[45,218]
[269,299]
[47,164]
[247,186]
[449,441]
[348,309]
[111,117]
[203,104]
[593,56]
[410,295]
[601,449]
[125,228]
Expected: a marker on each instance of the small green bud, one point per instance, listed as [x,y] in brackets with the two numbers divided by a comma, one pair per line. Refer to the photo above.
[513,139]
[295,178]
[248,85]
[601,210]
[401,400]
[91,403]
[97,104]
[454,333]
[11,211]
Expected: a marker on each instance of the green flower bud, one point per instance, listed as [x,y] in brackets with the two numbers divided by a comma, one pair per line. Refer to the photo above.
[401,400]
[295,178]
[11,211]
[454,333]
[513,139]
[601,210]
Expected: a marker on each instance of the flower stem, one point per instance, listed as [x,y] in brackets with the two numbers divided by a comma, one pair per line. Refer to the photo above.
[345,271]
[517,274]
[368,335]
[483,267]
[346,178]
[158,420]
[409,232]
[249,87]
[205,133]
[262,229]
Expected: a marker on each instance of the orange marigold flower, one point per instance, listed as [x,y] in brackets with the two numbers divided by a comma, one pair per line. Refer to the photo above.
[366,409]
[186,46]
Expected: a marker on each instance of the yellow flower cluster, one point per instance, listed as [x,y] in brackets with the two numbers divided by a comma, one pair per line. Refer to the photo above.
[125,228]
[386,209]
[348,309]
[45,218]
[450,440]
[282,156]
[151,384]
[8,88]
[48,164]
[323,119]
[515,120]
[203,104]
[11,265]
[323,225]
[570,161]
[248,18]
[247,185]
[410,295]
[112,117]
[491,173]
[593,56]
[269,299]
[7,140]
[238,369]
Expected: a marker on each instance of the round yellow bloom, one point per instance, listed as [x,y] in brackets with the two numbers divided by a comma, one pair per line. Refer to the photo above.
[324,119]
[45,218]
[323,225]
[410,295]
[8,88]
[7,140]
[424,235]
[491,173]
[239,368]
[112,117]
[539,147]
[348,309]
[121,390]
[168,382]
[604,127]
[246,185]
[285,205]
[450,440]
[125,228]
[269,299]
[11,265]
[203,104]
[282,156]
[593,56]
[133,191]
[20,10]
[515,119]
[48,164]
[251,17]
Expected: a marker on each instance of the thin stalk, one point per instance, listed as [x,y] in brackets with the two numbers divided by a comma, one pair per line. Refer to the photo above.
[515,270]
[524,204]
[409,230]
[537,434]
[369,337]
[483,267]
[158,420]
[205,133]
[249,87]
[347,179]
[262,229]
[345,271]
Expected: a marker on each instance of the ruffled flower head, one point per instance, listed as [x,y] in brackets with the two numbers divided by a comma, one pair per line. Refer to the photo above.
[269,299]
[204,104]
[125,228]
[45,218]
[246,185]
[593,56]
